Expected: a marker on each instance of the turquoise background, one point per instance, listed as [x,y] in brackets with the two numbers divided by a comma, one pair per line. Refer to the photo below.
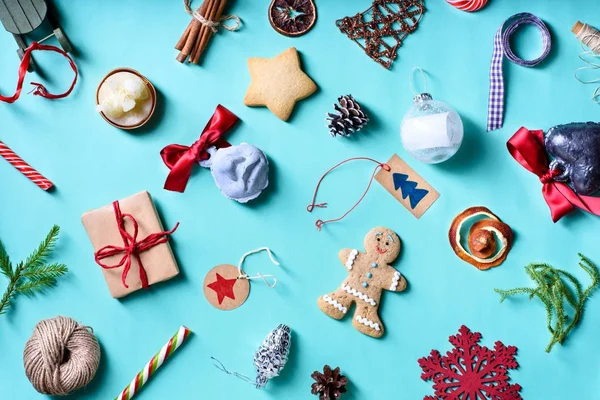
[93,163]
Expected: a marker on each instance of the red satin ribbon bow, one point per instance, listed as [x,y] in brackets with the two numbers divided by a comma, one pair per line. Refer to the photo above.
[131,246]
[180,159]
[527,147]
[40,90]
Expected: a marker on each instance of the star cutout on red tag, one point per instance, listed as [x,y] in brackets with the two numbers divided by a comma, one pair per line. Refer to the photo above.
[223,287]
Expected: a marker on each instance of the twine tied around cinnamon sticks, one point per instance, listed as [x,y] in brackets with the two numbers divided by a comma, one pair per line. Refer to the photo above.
[206,21]
[213,25]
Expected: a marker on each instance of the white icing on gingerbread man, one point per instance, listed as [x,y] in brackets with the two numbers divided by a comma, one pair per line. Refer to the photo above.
[369,274]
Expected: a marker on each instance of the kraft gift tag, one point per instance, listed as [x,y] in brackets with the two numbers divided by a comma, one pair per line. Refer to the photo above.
[407,186]
[224,289]
[227,287]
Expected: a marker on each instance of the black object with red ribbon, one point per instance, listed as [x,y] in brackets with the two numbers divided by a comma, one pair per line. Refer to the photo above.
[40,90]
[527,147]
[181,159]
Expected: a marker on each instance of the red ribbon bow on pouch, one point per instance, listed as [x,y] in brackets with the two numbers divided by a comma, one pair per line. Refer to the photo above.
[527,147]
[180,159]
[40,90]
[131,246]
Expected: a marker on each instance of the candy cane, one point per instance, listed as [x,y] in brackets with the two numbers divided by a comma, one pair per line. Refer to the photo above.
[25,168]
[150,368]
[468,5]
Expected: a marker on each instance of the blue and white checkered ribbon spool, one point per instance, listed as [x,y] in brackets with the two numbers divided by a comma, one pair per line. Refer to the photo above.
[501,49]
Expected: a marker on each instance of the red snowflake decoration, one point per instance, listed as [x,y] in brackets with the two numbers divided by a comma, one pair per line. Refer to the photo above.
[471,372]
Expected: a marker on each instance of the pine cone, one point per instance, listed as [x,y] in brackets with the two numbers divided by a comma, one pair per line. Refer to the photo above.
[349,117]
[329,384]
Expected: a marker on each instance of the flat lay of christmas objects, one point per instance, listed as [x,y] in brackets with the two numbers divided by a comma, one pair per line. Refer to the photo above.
[299,199]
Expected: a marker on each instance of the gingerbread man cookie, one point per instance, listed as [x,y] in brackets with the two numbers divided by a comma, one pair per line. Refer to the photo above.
[369,274]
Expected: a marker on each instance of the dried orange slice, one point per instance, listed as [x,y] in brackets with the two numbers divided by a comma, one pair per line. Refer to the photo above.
[292,17]
[481,239]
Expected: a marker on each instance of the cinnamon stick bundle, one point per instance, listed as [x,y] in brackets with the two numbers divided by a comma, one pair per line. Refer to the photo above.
[197,35]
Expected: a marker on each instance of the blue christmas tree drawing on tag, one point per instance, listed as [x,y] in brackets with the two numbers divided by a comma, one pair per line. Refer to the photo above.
[408,189]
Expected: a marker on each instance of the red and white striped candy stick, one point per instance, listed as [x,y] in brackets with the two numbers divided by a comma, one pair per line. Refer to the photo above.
[25,168]
[468,5]
[159,358]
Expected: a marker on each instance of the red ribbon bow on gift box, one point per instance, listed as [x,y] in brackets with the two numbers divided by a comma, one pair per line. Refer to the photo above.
[131,246]
[527,147]
[180,159]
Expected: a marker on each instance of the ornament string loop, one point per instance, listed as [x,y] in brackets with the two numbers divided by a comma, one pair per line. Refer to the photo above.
[264,277]
[219,365]
[131,246]
[411,80]
[319,223]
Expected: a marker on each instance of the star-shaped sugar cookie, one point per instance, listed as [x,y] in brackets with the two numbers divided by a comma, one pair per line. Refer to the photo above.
[278,83]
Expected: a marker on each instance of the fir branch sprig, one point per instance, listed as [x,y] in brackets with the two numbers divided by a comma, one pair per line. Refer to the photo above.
[32,275]
[557,290]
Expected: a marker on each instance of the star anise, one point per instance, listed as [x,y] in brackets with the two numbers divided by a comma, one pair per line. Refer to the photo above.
[330,384]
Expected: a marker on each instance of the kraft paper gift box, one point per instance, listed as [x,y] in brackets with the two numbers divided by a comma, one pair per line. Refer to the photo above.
[157,259]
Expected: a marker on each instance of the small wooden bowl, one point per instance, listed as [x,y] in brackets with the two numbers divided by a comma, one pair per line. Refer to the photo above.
[151,90]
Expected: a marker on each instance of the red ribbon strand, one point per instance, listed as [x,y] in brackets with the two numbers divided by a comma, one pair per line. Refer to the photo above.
[40,90]
[131,246]
[181,159]
[527,147]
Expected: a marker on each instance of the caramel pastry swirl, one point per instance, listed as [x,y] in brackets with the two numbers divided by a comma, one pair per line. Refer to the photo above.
[481,239]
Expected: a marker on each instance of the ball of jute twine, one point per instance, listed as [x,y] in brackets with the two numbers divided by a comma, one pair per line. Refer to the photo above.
[61,356]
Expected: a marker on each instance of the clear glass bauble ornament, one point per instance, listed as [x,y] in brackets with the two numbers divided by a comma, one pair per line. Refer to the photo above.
[431,131]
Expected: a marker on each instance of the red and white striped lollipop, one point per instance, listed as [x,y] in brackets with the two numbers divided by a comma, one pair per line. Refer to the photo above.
[468,5]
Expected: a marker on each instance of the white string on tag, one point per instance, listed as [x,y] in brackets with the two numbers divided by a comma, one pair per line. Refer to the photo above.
[243,275]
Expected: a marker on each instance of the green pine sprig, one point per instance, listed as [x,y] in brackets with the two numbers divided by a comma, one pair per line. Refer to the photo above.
[32,275]
[558,290]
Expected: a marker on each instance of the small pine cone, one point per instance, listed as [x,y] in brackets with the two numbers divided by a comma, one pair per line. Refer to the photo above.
[348,118]
[330,384]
